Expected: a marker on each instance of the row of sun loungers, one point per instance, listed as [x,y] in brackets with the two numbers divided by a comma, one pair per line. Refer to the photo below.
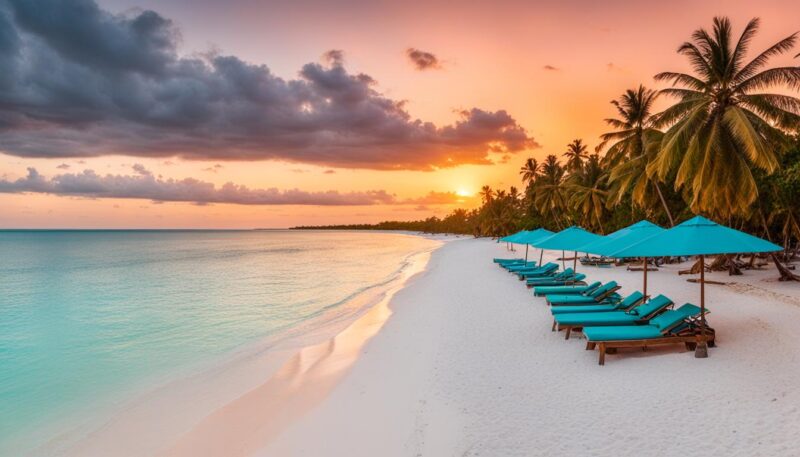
[608,320]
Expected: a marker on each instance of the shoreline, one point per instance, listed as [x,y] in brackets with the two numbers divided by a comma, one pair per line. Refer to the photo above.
[127,429]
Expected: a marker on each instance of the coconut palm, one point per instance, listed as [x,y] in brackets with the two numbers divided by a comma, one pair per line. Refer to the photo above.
[723,126]
[487,194]
[633,145]
[576,154]
[529,171]
[588,192]
[550,189]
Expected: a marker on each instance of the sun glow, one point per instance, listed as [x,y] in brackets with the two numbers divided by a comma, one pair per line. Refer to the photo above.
[463,193]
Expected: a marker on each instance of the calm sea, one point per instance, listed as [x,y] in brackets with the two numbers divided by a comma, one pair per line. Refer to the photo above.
[85,315]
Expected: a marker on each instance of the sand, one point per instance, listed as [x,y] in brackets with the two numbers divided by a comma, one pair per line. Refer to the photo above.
[461,361]
[467,365]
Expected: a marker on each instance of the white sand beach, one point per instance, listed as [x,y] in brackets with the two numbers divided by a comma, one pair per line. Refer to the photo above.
[467,365]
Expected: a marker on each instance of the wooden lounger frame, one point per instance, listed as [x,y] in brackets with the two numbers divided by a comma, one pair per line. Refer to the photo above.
[689,336]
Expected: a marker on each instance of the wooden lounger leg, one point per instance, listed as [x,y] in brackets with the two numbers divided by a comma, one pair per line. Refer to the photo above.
[602,349]
[590,346]
[569,331]
[554,326]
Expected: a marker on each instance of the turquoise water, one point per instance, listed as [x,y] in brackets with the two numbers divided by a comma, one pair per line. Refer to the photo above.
[85,315]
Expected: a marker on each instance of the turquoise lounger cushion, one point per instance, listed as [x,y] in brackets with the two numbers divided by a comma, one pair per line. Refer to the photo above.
[603,289]
[569,299]
[581,309]
[655,305]
[626,332]
[629,301]
[557,282]
[589,319]
[568,290]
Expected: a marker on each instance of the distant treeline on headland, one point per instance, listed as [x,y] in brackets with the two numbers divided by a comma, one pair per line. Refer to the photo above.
[429,225]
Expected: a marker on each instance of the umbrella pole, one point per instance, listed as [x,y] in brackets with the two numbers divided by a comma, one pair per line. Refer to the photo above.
[526,253]
[645,279]
[575,262]
[541,254]
[563,265]
[701,351]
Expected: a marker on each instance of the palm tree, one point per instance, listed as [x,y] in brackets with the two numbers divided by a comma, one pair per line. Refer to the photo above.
[634,144]
[549,194]
[722,126]
[529,171]
[486,194]
[576,154]
[588,192]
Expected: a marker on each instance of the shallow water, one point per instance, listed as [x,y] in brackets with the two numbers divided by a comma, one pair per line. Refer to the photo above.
[86,316]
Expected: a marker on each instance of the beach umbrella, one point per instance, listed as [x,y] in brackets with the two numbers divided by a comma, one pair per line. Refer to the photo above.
[623,238]
[513,238]
[569,239]
[701,237]
[534,236]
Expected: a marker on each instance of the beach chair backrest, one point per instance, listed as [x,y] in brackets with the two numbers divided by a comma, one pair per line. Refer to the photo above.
[671,318]
[550,266]
[604,289]
[566,273]
[591,287]
[578,277]
[631,300]
[652,307]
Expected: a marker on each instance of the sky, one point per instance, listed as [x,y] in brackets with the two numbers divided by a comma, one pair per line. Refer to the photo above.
[243,113]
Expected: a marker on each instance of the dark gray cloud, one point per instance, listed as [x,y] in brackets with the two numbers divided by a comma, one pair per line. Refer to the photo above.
[78,81]
[63,166]
[423,60]
[550,68]
[143,184]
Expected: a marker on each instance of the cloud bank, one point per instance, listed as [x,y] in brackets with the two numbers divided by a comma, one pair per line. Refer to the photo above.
[78,81]
[143,184]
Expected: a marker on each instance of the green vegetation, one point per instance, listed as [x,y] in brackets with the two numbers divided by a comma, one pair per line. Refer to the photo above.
[727,148]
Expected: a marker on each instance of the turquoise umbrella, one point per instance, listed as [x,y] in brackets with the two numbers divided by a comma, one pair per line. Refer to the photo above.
[514,238]
[534,236]
[698,236]
[569,239]
[622,238]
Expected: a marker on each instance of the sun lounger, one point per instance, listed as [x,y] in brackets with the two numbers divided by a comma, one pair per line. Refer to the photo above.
[637,315]
[507,261]
[548,269]
[671,327]
[520,266]
[555,282]
[634,299]
[565,275]
[594,297]
[540,291]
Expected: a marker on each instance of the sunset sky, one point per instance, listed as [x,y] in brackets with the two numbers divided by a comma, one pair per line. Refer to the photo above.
[243,113]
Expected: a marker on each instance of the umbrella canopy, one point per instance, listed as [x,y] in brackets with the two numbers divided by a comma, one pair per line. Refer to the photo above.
[514,237]
[622,238]
[534,236]
[569,239]
[697,236]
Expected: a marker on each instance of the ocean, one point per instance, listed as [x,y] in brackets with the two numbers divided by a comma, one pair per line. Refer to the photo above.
[89,316]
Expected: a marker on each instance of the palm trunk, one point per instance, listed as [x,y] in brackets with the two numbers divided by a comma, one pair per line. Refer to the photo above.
[664,203]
